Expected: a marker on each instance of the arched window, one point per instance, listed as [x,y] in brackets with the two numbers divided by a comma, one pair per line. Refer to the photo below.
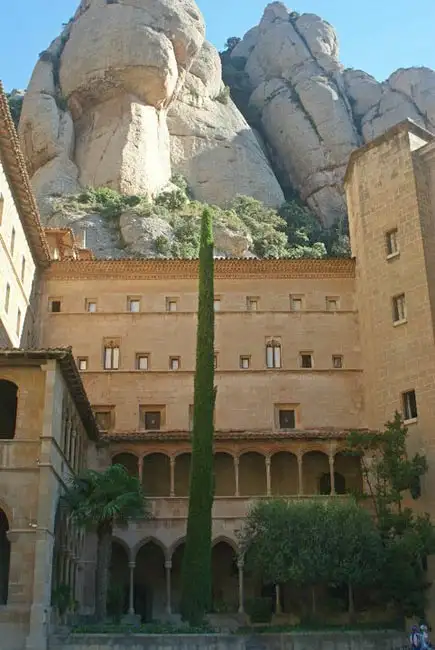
[4,558]
[325,484]
[8,409]
[273,354]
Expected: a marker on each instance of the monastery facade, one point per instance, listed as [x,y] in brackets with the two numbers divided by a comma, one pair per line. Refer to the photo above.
[306,351]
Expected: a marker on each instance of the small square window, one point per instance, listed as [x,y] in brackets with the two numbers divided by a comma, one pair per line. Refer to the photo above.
[296,303]
[252,303]
[174,363]
[152,420]
[55,306]
[287,419]
[337,361]
[7,297]
[217,304]
[245,362]
[171,304]
[82,363]
[104,418]
[134,305]
[399,308]
[142,362]
[306,360]
[409,405]
[391,242]
[91,306]
[332,304]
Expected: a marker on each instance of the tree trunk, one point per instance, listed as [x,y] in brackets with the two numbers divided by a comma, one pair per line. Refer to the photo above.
[104,550]
[313,602]
[351,605]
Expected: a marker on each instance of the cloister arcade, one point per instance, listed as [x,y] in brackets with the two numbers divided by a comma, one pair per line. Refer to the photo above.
[248,472]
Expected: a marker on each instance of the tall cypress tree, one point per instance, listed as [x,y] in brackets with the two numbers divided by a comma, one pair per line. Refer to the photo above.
[196,570]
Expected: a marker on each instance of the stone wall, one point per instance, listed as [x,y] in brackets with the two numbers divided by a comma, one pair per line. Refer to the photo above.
[379,640]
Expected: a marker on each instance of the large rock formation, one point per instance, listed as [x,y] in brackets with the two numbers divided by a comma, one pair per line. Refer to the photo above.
[95,113]
[311,111]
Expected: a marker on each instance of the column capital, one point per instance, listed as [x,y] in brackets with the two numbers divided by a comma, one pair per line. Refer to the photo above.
[172,460]
[240,563]
[236,460]
[268,460]
[331,458]
[168,564]
[132,565]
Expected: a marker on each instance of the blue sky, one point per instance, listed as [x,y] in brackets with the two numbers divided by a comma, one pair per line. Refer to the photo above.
[378,36]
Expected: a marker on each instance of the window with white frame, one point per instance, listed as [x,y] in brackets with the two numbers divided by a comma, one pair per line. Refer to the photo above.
[174,363]
[273,353]
[252,303]
[111,355]
[391,242]
[171,304]
[399,308]
[296,303]
[91,306]
[133,305]
[142,361]
[245,362]
[82,363]
[409,405]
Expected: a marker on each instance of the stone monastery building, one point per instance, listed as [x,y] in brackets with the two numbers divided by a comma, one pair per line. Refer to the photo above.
[306,350]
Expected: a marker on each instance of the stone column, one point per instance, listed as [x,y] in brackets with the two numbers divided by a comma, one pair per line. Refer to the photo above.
[268,477]
[172,487]
[300,474]
[131,566]
[140,468]
[332,473]
[168,568]
[240,564]
[236,475]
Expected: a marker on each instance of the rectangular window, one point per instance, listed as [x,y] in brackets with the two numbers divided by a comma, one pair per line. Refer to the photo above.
[332,303]
[7,297]
[111,355]
[13,241]
[215,360]
[252,303]
[391,242]
[174,363]
[409,405]
[306,360]
[18,321]
[273,354]
[296,303]
[23,268]
[152,419]
[142,362]
[217,304]
[337,361]
[399,308]
[133,305]
[55,305]
[171,304]
[82,363]
[287,419]
[91,306]
[104,418]
[245,362]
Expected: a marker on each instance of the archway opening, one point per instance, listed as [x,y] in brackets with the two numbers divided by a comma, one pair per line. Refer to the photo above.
[149,582]
[224,476]
[182,475]
[118,594]
[129,461]
[284,474]
[8,409]
[224,578]
[252,474]
[156,475]
[315,465]
[5,554]
[349,467]
[325,483]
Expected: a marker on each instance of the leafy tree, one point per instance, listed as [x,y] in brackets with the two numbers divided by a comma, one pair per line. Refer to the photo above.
[196,570]
[98,501]
[15,101]
[231,43]
[391,474]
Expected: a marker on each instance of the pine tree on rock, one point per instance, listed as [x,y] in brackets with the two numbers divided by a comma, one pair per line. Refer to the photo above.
[196,570]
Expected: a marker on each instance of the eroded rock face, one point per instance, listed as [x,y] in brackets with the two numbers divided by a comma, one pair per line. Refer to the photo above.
[95,113]
[312,112]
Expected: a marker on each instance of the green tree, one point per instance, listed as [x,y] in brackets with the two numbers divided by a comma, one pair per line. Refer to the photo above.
[231,43]
[392,475]
[196,570]
[98,501]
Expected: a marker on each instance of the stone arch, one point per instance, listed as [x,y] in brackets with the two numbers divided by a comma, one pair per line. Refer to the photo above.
[5,555]
[128,460]
[224,576]
[226,540]
[123,543]
[284,473]
[350,467]
[315,464]
[149,540]
[8,409]
[150,580]
[224,476]
[182,474]
[156,474]
[252,474]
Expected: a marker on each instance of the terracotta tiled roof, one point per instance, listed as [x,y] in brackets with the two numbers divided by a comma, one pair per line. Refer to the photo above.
[171,436]
[70,374]
[188,269]
[19,182]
